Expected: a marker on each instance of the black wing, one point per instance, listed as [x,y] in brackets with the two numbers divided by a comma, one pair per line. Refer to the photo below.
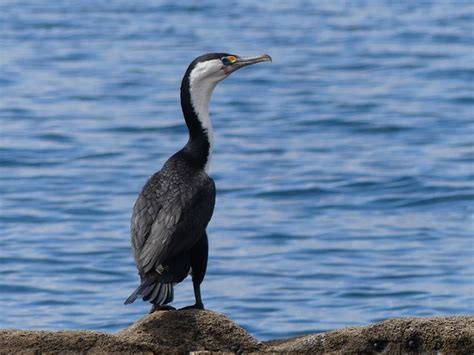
[169,217]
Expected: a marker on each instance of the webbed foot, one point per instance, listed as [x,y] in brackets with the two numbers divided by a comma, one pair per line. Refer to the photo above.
[194,306]
[155,308]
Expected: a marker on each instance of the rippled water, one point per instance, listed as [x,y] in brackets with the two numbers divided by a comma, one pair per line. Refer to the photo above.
[344,169]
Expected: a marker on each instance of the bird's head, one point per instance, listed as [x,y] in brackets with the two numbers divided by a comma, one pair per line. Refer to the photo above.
[199,81]
[214,67]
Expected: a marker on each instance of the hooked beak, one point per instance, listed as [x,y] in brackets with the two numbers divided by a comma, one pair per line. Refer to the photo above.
[245,61]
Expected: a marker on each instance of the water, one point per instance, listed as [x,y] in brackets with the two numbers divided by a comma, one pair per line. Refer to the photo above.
[344,169]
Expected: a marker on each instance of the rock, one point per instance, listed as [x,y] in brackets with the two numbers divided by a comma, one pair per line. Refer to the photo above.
[70,341]
[188,330]
[448,335]
[206,332]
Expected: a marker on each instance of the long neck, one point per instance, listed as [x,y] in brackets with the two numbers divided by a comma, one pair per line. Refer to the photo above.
[195,97]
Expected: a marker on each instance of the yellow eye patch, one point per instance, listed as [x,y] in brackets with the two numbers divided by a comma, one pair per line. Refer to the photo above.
[230,59]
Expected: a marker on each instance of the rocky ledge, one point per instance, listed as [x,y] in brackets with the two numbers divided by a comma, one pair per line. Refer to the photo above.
[205,331]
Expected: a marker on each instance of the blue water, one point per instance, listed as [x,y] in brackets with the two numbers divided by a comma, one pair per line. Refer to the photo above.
[344,168]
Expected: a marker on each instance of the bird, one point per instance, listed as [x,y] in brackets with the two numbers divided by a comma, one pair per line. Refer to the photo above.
[170,216]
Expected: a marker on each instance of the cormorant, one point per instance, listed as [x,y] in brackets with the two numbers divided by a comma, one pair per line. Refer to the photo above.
[170,216]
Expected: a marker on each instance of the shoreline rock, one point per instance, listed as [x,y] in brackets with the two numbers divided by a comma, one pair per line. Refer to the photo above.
[206,331]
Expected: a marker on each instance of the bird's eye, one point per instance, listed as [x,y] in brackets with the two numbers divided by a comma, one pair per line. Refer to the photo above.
[226,61]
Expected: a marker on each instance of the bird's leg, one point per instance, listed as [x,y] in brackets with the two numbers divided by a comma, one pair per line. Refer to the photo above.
[155,308]
[197,296]
[199,255]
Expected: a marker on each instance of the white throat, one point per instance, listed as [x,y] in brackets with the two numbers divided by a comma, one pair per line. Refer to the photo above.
[200,92]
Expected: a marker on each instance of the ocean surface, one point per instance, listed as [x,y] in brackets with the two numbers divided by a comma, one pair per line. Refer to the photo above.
[344,169]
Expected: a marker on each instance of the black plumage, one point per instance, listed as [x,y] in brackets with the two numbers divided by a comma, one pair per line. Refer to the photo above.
[168,228]
[170,216]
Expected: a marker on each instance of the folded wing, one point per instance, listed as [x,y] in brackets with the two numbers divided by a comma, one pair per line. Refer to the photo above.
[168,220]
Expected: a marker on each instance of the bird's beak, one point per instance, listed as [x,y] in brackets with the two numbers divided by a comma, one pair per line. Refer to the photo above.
[241,62]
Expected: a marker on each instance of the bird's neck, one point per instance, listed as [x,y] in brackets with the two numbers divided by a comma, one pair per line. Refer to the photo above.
[195,97]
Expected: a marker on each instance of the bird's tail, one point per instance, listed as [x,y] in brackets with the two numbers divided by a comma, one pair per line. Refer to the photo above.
[155,292]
